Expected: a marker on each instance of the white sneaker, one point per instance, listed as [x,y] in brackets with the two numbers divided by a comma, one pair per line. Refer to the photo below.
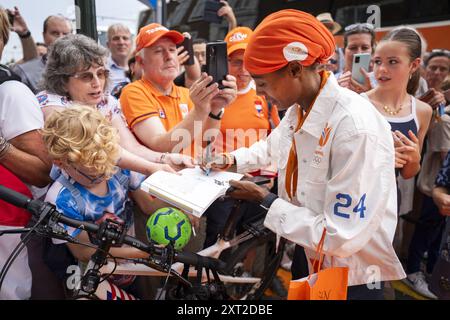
[417,282]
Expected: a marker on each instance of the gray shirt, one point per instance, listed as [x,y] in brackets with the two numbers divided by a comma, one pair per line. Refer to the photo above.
[31,72]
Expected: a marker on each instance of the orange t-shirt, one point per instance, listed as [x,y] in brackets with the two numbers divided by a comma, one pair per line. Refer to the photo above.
[140,100]
[245,121]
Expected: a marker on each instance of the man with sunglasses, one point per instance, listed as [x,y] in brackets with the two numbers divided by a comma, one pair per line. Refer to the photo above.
[333,63]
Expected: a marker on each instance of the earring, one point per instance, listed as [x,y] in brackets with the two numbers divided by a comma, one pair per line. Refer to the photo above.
[410,76]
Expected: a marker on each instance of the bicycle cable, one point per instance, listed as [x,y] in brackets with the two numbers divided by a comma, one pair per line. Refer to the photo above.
[20,246]
[167,280]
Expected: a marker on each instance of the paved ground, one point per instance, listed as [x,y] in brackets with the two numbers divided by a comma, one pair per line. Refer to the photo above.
[397,290]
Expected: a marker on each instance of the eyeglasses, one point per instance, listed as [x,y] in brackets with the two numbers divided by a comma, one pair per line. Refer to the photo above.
[92,180]
[360,26]
[333,61]
[88,76]
[236,63]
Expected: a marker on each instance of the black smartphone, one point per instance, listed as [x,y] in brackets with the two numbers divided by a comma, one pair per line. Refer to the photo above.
[187,44]
[427,95]
[259,180]
[210,13]
[217,61]
[10,18]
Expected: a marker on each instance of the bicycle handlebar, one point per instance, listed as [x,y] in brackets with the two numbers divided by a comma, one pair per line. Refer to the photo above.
[36,207]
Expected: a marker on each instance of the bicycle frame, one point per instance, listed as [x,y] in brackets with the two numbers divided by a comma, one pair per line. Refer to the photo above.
[213,251]
[109,233]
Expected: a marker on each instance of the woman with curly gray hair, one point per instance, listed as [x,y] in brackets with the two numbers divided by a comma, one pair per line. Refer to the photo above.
[76,73]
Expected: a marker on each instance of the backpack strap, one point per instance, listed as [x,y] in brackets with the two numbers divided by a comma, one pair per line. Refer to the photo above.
[76,194]
[55,172]
[123,179]
[127,214]
[7,75]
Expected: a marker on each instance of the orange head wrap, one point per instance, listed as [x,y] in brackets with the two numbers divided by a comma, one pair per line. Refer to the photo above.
[288,35]
[284,36]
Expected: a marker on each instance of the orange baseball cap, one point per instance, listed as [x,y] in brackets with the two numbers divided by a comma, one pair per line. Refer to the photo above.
[151,33]
[238,39]
[285,36]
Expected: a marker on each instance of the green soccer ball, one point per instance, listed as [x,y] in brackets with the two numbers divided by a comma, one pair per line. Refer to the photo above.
[169,225]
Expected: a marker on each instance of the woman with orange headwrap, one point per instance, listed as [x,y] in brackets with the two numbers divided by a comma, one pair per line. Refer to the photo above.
[334,152]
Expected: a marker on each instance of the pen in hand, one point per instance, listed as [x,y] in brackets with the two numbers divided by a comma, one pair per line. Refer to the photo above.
[208,156]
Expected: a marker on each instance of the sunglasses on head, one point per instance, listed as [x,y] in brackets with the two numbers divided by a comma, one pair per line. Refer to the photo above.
[444,51]
[359,26]
[88,76]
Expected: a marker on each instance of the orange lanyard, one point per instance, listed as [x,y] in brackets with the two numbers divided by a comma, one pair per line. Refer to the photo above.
[292,164]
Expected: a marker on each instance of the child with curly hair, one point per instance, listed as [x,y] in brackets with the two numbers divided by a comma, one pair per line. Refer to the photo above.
[85,147]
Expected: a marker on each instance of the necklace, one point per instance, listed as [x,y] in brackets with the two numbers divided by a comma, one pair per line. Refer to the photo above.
[392,112]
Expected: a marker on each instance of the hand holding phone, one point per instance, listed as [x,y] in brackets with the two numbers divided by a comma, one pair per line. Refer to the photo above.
[433,97]
[210,13]
[217,61]
[360,60]
[427,95]
[188,46]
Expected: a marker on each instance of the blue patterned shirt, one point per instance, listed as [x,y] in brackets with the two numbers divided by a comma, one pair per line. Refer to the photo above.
[112,205]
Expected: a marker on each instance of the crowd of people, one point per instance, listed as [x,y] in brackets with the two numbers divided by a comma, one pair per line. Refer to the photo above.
[82,126]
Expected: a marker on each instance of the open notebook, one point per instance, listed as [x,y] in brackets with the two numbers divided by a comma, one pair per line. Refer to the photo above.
[192,191]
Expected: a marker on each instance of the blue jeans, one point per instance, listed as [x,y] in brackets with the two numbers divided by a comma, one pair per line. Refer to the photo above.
[216,218]
[362,292]
[427,237]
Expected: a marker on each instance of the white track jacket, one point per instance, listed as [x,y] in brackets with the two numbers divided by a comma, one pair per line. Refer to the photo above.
[346,183]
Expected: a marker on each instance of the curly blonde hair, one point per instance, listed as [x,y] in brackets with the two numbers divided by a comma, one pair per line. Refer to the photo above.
[81,135]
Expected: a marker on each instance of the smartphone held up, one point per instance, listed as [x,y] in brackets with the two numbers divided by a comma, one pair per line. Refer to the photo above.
[360,60]
[187,44]
[217,61]
[210,13]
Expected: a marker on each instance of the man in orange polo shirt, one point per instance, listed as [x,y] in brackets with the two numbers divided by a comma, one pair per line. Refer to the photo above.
[249,118]
[164,117]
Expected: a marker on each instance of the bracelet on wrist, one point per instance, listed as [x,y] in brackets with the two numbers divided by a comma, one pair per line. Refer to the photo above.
[218,116]
[4,148]
[3,143]
[24,35]
[163,157]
